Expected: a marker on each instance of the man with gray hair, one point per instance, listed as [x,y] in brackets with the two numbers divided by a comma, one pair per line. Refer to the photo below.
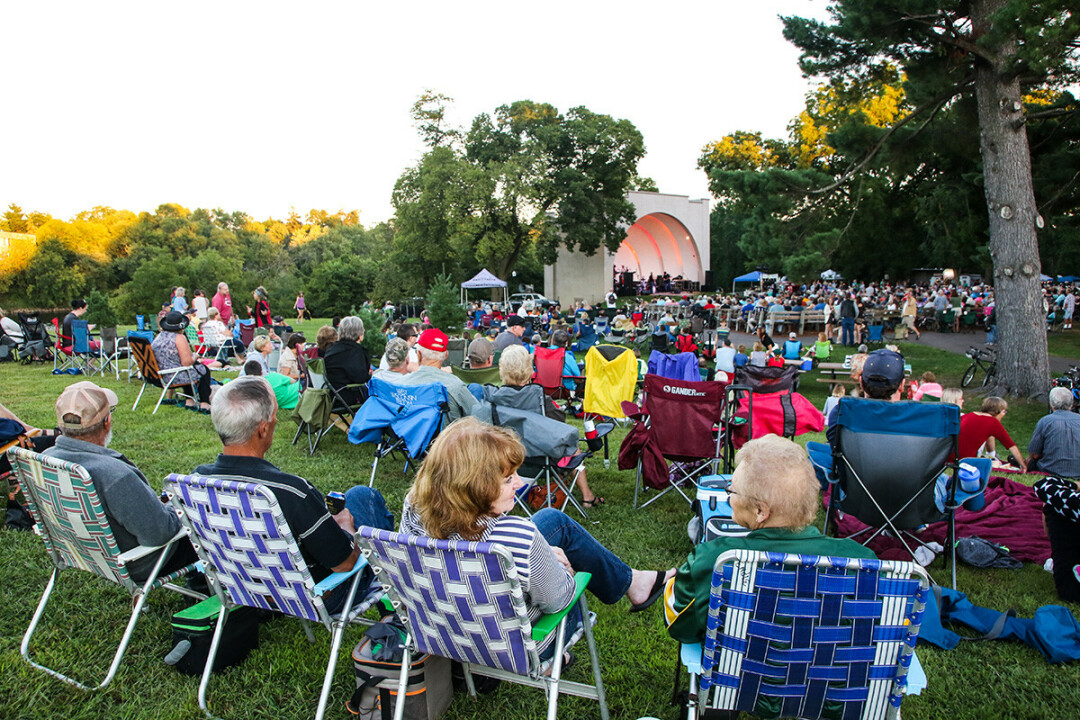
[136,514]
[1055,444]
[347,362]
[244,413]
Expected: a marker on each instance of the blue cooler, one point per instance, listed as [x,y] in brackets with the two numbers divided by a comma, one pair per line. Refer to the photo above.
[712,511]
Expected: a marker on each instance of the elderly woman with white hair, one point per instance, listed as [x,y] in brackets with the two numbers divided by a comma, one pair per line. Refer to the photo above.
[347,362]
[775,494]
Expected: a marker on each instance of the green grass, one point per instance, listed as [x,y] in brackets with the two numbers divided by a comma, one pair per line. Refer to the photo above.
[1065,343]
[281,679]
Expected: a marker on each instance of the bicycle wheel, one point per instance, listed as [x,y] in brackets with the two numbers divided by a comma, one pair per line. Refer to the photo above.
[991,376]
[969,375]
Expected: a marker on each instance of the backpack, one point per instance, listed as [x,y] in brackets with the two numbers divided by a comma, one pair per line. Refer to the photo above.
[428,691]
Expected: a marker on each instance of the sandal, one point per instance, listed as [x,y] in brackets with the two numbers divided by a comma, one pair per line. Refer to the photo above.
[654,594]
[595,501]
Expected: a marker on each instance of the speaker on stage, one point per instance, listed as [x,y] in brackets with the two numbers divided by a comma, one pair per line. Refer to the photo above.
[708,280]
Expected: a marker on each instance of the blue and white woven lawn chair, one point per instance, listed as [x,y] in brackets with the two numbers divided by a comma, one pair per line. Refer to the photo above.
[463,601]
[251,558]
[799,635]
[71,520]
[399,418]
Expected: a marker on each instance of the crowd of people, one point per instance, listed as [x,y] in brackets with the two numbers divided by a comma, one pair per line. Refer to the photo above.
[467,484]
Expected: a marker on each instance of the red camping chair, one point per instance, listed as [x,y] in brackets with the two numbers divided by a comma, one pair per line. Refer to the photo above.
[682,421]
[550,363]
[63,349]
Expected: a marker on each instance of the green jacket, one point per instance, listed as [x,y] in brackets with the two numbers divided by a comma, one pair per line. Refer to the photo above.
[687,597]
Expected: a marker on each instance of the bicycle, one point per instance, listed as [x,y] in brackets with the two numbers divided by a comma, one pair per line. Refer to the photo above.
[981,359]
[1071,381]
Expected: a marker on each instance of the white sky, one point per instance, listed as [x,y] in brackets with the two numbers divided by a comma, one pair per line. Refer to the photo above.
[263,106]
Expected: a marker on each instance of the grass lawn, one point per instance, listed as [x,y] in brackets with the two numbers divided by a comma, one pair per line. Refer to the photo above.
[281,679]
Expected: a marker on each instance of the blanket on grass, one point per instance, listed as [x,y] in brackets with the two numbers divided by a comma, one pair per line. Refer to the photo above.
[1012,517]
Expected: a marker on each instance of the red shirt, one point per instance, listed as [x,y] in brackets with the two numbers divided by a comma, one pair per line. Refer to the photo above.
[976,428]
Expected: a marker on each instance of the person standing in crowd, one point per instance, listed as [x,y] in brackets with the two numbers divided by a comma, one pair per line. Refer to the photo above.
[179,301]
[222,300]
[201,306]
[261,312]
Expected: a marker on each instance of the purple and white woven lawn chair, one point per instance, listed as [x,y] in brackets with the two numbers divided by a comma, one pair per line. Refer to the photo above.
[794,635]
[71,520]
[463,601]
[252,559]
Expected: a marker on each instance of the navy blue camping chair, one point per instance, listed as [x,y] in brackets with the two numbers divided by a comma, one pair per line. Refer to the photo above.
[887,462]
[876,334]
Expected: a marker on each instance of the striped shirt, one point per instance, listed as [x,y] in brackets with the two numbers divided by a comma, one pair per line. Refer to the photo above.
[547,584]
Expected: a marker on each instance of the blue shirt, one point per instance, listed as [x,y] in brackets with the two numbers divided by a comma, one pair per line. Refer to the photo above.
[1056,441]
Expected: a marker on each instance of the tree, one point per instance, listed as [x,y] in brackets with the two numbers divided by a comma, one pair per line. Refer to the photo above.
[947,49]
[53,277]
[443,305]
[524,177]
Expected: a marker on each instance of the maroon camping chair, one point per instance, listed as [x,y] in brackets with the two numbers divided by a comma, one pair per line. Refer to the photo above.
[682,421]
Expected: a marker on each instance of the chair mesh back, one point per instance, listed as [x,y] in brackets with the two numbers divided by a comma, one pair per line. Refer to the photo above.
[682,415]
[893,452]
[70,515]
[612,373]
[80,341]
[243,538]
[145,360]
[795,632]
[463,599]
[549,366]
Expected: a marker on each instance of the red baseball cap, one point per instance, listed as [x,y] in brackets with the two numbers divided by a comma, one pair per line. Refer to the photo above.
[433,339]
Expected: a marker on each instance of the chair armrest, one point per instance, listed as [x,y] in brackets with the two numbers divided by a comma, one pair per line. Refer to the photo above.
[690,657]
[332,580]
[546,623]
[143,550]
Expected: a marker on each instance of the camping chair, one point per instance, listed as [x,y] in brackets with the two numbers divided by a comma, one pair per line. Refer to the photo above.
[611,376]
[886,465]
[455,351]
[71,520]
[681,366]
[251,559]
[152,375]
[588,338]
[81,351]
[875,333]
[479,376]
[63,349]
[148,336]
[247,332]
[399,418]
[463,601]
[792,635]
[551,446]
[684,422]
[36,340]
[111,351]
[312,413]
[550,363]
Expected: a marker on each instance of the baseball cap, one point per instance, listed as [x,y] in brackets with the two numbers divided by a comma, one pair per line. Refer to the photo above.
[883,369]
[433,339]
[515,320]
[792,335]
[481,350]
[84,405]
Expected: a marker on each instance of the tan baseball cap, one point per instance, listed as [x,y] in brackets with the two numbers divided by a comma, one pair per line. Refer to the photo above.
[84,404]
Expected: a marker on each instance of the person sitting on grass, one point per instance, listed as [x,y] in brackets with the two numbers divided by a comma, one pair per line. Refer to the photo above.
[774,494]
[792,347]
[928,386]
[822,348]
[980,428]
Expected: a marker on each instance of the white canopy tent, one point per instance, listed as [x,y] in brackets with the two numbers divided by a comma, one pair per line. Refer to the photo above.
[481,281]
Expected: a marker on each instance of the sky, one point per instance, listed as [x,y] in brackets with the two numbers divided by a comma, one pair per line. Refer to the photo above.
[266,106]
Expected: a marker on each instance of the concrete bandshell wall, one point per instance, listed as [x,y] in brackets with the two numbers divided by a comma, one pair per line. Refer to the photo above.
[671,234]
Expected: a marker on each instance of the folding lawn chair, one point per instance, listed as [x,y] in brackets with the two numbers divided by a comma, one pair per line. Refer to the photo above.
[152,375]
[399,418]
[684,422]
[252,559]
[63,349]
[463,601]
[479,376]
[71,520]
[886,465]
[807,636]
[148,336]
[455,351]
[550,364]
[112,351]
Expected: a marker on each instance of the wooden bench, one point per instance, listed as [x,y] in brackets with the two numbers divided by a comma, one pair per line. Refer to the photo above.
[781,318]
[811,317]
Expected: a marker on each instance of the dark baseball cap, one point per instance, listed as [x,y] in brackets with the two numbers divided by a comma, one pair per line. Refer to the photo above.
[883,369]
[515,320]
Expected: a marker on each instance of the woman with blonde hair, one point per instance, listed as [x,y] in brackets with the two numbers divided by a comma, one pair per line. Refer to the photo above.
[465,490]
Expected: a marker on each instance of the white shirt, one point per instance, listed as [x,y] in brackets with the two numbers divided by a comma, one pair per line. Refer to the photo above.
[725,359]
[201,305]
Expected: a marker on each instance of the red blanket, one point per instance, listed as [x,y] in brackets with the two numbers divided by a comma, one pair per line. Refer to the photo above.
[1012,517]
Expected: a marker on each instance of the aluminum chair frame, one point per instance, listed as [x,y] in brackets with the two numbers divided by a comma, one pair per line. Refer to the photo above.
[868,611]
[401,560]
[71,520]
[238,522]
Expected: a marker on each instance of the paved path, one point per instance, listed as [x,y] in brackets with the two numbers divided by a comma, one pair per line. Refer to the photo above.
[953,342]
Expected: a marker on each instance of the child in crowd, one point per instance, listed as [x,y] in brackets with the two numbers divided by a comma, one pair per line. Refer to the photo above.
[741,358]
[954,396]
[838,391]
[822,348]
[928,386]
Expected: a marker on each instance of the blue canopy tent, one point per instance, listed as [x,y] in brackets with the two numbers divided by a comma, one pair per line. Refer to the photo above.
[748,277]
[1068,278]
[484,280]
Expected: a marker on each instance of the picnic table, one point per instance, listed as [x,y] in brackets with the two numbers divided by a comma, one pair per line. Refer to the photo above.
[834,372]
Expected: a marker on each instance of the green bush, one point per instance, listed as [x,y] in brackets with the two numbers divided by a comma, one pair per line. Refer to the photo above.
[99,310]
[443,305]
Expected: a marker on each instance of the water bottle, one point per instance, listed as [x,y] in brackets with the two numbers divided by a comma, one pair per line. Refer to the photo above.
[970,478]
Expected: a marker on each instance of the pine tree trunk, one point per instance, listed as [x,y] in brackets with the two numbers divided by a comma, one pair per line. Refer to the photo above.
[1023,366]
